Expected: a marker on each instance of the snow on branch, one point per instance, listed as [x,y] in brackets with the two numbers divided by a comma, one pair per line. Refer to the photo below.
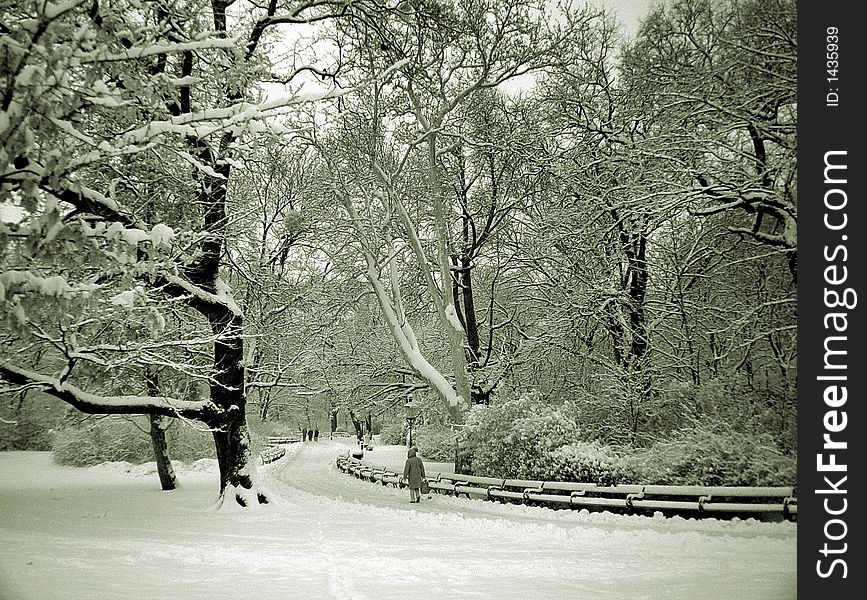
[103,55]
[204,123]
[452,318]
[223,296]
[210,172]
[89,403]
[50,11]
[55,286]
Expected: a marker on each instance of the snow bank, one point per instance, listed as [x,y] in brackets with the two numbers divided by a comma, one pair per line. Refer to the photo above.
[149,469]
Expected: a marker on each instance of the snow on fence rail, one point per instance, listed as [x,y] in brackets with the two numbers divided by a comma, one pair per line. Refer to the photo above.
[696,501]
[274,450]
[274,440]
[272,453]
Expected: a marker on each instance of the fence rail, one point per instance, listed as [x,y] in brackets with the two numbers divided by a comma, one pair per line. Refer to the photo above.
[765,503]
[272,453]
[274,450]
[274,440]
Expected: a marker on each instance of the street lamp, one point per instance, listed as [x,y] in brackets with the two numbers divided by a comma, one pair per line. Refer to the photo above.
[411,412]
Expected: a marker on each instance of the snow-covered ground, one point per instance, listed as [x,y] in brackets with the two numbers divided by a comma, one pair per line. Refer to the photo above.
[108,532]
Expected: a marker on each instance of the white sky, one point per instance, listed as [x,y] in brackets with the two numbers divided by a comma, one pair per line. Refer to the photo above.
[629,12]
[108,532]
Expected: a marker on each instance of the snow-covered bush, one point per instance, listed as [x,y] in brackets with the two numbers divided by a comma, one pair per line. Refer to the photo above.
[730,400]
[585,462]
[528,439]
[29,424]
[713,454]
[102,441]
[435,442]
[392,433]
[118,439]
[511,439]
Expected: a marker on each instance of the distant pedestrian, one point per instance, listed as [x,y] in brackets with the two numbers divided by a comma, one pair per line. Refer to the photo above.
[413,473]
[316,435]
[303,434]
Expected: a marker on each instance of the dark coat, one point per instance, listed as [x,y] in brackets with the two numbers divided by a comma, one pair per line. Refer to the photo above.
[413,470]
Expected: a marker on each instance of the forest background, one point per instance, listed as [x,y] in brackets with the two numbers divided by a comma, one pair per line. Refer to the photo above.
[575,254]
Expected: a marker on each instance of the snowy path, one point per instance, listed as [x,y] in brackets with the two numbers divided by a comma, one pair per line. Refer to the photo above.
[102,533]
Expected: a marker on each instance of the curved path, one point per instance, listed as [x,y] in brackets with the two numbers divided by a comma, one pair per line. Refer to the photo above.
[310,468]
[521,551]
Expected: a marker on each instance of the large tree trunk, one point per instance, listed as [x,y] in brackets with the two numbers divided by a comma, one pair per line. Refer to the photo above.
[239,481]
[448,314]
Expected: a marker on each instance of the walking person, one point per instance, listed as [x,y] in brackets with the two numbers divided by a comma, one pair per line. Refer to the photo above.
[413,473]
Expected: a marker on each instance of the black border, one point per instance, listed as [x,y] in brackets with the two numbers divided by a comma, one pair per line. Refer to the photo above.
[823,128]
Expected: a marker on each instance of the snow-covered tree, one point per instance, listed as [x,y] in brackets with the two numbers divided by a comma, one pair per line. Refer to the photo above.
[121,122]
[387,162]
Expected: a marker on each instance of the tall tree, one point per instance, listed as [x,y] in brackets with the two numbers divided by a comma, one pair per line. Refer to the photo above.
[448,53]
[723,76]
[105,107]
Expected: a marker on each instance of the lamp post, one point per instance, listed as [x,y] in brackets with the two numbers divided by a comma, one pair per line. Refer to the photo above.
[411,412]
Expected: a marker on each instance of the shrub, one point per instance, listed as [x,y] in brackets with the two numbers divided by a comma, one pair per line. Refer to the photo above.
[435,442]
[117,439]
[510,439]
[732,401]
[392,433]
[99,441]
[24,434]
[587,462]
[713,454]
[29,423]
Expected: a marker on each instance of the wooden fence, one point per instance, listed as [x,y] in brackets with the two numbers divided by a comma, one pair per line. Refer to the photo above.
[764,503]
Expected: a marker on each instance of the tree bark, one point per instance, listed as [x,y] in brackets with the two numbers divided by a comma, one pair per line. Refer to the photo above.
[450,322]
[333,420]
[239,481]
[359,430]
[238,475]
[166,473]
